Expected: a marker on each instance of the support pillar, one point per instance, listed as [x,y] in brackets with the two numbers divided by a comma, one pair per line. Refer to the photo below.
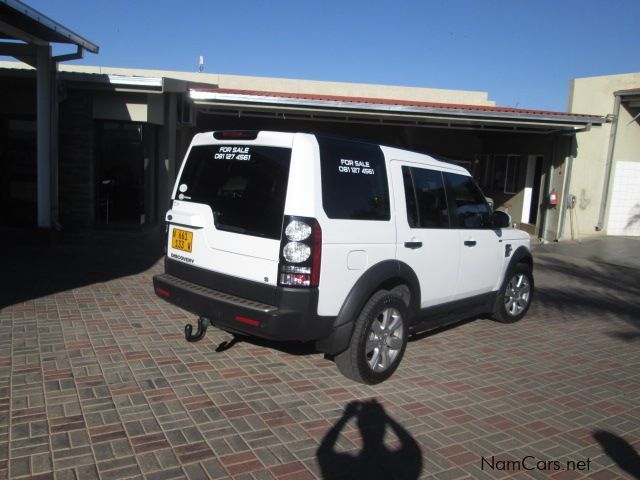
[43,122]
[167,154]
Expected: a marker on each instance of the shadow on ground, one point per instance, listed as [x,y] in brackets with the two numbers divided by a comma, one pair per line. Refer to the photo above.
[597,288]
[375,460]
[30,271]
[620,451]
[291,348]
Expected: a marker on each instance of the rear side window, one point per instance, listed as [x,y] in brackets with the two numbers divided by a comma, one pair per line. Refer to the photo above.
[425,197]
[354,180]
[471,208]
[245,186]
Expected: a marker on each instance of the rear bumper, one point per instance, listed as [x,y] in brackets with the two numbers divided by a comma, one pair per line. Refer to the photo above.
[293,318]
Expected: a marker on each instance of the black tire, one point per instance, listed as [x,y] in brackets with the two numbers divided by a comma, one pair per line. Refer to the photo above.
[515,295]
[383,308]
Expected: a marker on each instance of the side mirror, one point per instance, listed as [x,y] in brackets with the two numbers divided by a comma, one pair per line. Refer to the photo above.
[500,219]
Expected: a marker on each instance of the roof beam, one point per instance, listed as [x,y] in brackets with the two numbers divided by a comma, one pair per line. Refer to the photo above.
[20,51]
[18,34]
[16,50]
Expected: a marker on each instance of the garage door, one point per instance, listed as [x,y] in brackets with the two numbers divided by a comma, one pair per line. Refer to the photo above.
[624,210]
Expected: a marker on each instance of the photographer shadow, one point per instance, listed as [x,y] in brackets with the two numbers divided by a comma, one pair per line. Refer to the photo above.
[375,460]
[620,451]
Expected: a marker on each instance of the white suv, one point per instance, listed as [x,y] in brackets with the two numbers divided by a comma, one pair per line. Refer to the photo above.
[352,245]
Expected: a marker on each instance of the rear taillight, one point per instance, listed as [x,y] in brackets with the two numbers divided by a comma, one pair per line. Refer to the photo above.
[300,252]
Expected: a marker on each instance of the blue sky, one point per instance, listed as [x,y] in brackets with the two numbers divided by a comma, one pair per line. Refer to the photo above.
[524,53]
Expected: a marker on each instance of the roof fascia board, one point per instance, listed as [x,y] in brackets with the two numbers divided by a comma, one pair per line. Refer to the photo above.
[150,83]
[445,121]
[259,99]
[115,80]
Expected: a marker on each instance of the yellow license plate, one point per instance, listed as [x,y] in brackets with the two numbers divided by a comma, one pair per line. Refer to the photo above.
[182,240]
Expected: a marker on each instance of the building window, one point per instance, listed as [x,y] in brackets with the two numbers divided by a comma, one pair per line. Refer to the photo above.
[498,173]
[512,174]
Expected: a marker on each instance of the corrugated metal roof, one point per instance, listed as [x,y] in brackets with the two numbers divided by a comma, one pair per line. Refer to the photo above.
[203,93]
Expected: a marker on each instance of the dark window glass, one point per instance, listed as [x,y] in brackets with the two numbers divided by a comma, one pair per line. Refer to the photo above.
[498,177]
[512,181]
[426,199]
[471,209]
[354,180]
[410,197]
[245,186]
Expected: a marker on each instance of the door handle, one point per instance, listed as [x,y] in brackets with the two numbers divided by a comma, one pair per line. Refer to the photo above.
[470,243]
[413,245]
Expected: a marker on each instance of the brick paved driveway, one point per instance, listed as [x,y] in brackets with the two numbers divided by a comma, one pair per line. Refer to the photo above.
[96,381]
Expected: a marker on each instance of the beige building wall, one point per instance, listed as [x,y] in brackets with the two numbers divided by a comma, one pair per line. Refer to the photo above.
[291,85]
[595,95]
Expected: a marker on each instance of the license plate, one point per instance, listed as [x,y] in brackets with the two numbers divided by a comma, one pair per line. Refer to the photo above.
[182,240]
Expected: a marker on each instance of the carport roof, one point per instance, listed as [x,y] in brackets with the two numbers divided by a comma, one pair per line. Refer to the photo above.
[631,91]
[19,21]
[475,116]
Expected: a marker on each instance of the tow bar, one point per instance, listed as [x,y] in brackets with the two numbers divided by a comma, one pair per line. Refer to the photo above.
[203,323]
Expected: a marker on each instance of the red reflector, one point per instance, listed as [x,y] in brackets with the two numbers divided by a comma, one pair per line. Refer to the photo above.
[317,255]
[161,291]
[249,321]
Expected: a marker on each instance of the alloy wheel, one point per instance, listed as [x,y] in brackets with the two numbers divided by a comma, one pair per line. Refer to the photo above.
[384,339]
[517,294]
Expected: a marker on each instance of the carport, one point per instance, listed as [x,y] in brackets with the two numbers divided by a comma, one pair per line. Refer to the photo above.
[517,156]
[27,35]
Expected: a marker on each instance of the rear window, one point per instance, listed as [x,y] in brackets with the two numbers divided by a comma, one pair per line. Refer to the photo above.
[245,186]
[354,180]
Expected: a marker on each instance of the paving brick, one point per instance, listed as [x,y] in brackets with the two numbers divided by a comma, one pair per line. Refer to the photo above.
[166,474]
[110,381]
[193,452]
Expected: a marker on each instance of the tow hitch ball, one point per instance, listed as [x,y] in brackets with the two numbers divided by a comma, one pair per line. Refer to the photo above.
[203,323]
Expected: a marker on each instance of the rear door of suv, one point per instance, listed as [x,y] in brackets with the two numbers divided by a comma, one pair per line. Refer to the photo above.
[228,205]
